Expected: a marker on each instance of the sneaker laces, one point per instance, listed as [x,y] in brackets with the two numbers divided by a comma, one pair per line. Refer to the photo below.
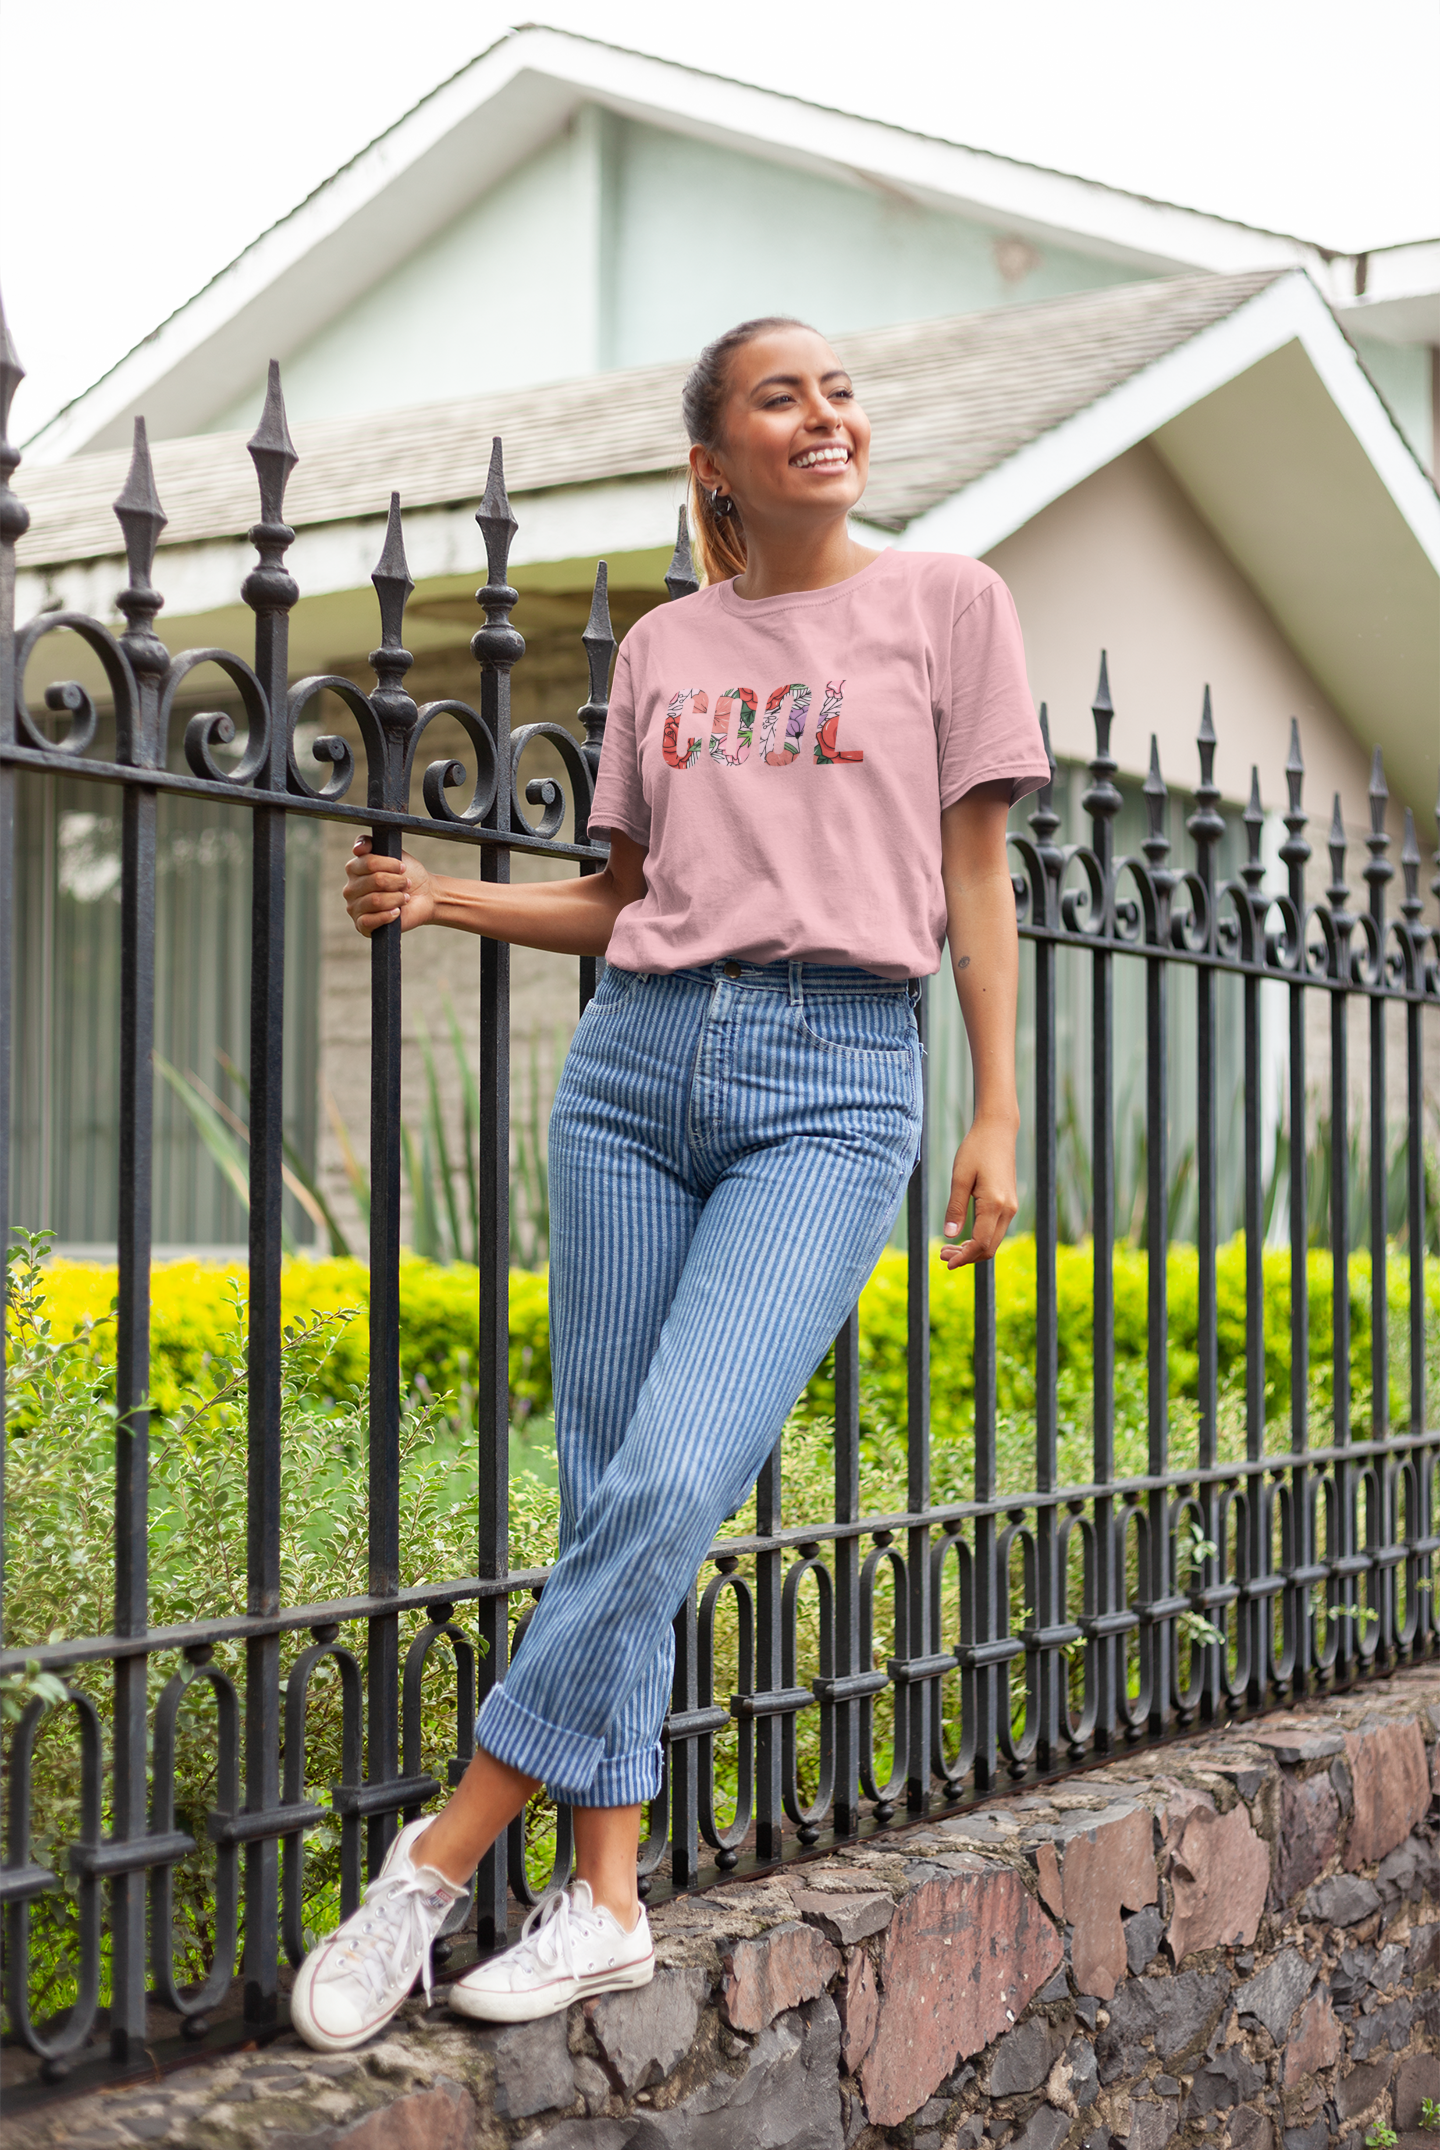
[393,1920]
[546,1937]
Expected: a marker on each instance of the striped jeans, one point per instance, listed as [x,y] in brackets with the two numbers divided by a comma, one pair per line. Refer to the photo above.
[728,1149]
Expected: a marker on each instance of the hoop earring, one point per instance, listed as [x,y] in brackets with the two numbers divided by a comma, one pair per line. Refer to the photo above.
[721,503]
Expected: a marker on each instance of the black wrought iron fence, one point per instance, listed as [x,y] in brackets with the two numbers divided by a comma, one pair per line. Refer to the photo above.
[1026,1628]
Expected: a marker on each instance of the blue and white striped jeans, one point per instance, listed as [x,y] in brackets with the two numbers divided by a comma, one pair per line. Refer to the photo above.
[728,1149]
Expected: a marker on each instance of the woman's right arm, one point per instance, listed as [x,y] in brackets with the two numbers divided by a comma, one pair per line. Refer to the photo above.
[569,918]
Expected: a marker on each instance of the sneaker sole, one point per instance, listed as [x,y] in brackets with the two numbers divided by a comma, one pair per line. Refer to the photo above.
[551,2001]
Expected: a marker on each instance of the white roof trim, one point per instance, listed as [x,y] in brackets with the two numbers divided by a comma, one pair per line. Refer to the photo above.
[1290,310]
[442,153]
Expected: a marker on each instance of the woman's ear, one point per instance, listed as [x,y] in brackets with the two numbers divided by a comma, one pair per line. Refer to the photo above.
[707,471]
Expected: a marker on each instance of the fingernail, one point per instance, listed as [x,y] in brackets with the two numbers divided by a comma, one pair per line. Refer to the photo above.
[951,1230]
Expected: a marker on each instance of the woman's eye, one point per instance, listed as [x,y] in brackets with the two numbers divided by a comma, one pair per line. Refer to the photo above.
[842,395]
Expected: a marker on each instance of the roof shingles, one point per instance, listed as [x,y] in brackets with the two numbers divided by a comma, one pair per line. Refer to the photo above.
[948,399]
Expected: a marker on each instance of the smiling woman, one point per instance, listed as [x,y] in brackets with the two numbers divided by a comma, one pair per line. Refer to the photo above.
[740,1111]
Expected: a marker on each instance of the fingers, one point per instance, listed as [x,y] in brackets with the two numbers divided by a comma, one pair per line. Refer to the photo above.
[992,1219]
[376,889]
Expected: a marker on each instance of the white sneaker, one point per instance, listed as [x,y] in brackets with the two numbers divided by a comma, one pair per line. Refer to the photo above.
[569,1947]
[353,1983]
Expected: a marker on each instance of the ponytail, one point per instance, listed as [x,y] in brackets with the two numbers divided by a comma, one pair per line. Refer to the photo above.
[719,536]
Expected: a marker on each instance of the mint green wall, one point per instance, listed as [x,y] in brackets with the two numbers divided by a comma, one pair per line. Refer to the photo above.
[702,237]
[620,245]
[1401,372]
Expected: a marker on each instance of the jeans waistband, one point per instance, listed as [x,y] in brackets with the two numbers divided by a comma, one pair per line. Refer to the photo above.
[796,979]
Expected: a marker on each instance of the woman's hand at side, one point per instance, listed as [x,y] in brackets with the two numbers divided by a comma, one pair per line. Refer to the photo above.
[985,1174]
[380,890]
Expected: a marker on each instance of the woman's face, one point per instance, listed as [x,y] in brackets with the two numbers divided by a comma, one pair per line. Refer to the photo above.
[793,438]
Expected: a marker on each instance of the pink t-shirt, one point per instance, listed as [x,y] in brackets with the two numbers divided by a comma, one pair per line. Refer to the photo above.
[785,761]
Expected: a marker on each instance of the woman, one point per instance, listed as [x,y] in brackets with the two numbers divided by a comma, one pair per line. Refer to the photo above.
[805,779]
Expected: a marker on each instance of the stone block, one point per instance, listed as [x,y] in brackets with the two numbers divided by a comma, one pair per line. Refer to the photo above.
[1293,1740]
[440,2118]
[1315,2043]
[1423,1953]
[1227,2078]
[774,1971]
[1341,1900]
[1220,1873]
[1082,2071]
[579,2134]
[1410,1871]
[1173,2015]
[1416,2079]
[532,2069]
[646,2034]
[1309,1830]
[1152,2122]
[1358,2091]
[1107,1867]
[1046,2129]
[1391,1780]
[1142,1938]
[1274,1994]
[845,1919]
[1023,2058]
[787,2099]
[859,2003]
[964,1955]
[1315,2137]
[1387,2026]
[1248,2130]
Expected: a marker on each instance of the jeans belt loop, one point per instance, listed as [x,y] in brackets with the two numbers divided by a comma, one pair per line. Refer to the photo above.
[797,989]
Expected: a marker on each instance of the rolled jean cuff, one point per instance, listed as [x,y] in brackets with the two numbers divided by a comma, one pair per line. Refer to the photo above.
[509,1732]
[622,1780]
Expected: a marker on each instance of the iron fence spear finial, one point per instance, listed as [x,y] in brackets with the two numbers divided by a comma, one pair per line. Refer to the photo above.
[1253,817]
[599,645]
[680,577]
[1335,843]
[1102,801]
[141,519]
[1295,851]
[497,642]
[1156,844]
[1411,905]
[1206,825]
[1378,869]
[272,451]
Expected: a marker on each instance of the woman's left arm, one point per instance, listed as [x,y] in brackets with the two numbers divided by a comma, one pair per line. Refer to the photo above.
[985,956]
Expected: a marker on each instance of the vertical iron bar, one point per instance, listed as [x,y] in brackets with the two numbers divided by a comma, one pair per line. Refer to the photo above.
[1299,1621]
[270,591]
[396,713]
[918,1700]
[1418,1521]
[142,519]
[990,1598]
[1102,803]
[599,644]
[1156,1583]
[769,1638]
[14,522]
[1337,894]
[1250,1612]
[497,647]
[1206,827]
[1377,872]
[847,1573]
[1051,1612]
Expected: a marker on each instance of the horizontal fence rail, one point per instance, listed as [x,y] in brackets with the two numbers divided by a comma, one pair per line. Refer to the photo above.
[1025,1632]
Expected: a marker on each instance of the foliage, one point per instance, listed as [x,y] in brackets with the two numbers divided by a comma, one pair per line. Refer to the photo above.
[60,1577]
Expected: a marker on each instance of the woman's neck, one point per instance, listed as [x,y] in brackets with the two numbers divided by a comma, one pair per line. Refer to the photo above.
[779,563]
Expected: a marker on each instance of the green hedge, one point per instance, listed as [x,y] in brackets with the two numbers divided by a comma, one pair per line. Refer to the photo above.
[196,1307]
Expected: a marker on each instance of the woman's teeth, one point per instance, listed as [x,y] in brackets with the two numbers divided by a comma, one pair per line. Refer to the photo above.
[815,456]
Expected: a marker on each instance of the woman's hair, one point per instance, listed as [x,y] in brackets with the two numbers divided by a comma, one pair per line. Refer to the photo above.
[719,539]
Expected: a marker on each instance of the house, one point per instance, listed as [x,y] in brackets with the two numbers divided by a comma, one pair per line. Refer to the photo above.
[1207,448]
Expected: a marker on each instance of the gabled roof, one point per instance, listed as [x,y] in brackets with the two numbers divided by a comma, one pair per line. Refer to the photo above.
[461,139]
[950,400]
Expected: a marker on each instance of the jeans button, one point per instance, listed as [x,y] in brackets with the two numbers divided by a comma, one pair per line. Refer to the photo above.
[732,970]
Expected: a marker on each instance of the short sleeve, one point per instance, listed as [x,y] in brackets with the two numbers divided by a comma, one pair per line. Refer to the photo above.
[619,801]
[987,725]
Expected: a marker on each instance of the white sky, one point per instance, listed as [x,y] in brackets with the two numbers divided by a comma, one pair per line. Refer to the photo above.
[143,146]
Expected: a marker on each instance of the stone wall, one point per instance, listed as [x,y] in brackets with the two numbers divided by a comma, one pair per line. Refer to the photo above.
[1234,1941]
